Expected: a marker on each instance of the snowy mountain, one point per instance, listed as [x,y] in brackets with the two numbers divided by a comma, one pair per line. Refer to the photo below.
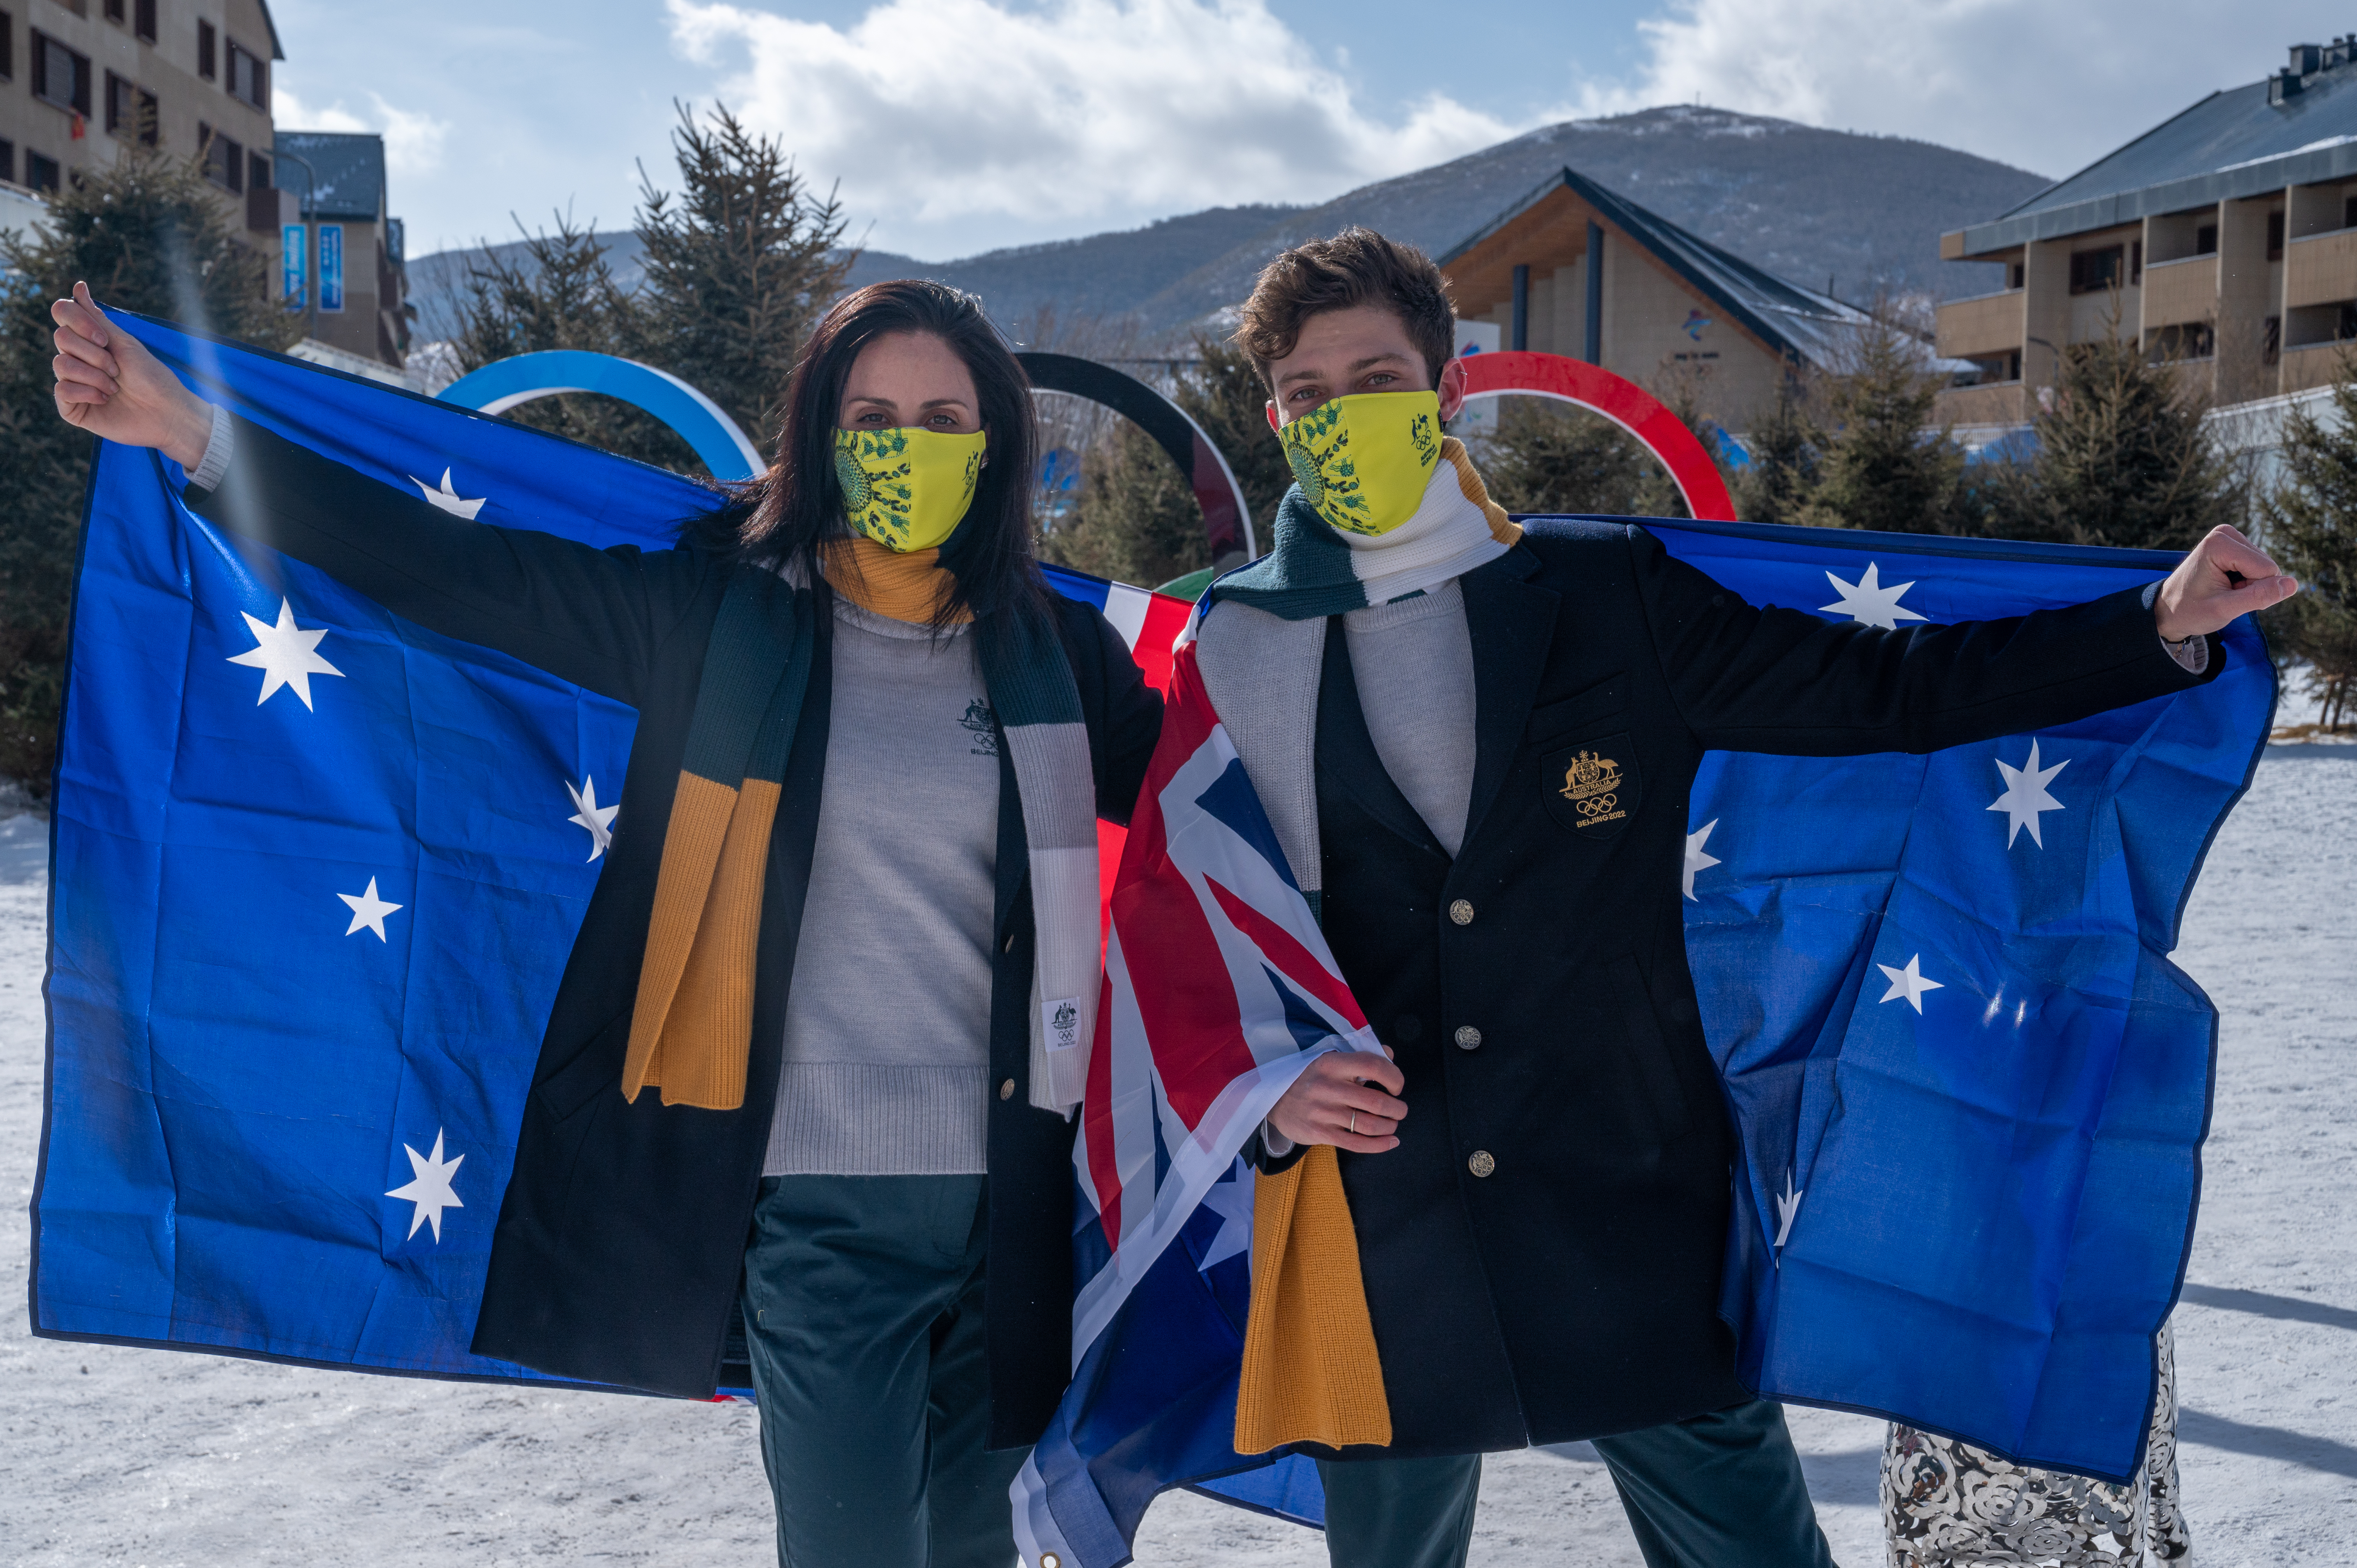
[1862,213]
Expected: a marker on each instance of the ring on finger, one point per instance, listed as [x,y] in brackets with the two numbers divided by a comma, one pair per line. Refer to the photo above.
[1354,1123]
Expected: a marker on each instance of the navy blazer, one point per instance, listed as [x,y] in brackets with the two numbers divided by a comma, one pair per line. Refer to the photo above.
[1541,1253]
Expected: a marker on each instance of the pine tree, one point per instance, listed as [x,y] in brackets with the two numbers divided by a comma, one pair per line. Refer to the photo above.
[1223,392]
[148,234]
[2121,458]
[2311,523]
[1542,457]
[1780,479]
[562,293]
[1875,466]
[739,267]
[1134,518]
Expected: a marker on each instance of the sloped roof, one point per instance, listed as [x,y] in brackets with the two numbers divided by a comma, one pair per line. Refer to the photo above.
[350,165]
[1793,321]
[2230,145]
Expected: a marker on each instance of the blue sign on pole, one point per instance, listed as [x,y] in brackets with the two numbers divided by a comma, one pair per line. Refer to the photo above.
[293,267]
[331,266]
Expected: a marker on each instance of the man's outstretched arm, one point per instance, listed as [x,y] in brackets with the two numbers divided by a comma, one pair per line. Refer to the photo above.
[1784,681]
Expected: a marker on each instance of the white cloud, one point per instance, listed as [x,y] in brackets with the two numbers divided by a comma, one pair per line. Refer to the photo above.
[933,110]
[413,142]
[2045,86]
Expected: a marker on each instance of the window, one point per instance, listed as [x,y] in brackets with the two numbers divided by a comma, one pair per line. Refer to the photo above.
[2013,275]
[247,78]
[2205,240]
[7,160]
[257,172]
[122,106]
[41,173]
[2092,272]
[205,45]
[2190,340]
[2346,327]
[60,76]
[2272,349]
[143,20]
[2275,238]
[7,47]
[224,159]
[2136,261]
[115,10]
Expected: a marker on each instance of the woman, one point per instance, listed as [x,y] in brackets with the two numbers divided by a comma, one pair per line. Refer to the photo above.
[847,927]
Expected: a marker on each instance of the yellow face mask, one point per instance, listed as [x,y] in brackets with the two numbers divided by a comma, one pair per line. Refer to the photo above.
[1363,461]
[907,488]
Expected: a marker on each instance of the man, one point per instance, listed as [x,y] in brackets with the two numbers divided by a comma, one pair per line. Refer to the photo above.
[1539,1179]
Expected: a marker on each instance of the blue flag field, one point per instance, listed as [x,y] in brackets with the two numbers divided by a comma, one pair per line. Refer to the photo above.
[316,872]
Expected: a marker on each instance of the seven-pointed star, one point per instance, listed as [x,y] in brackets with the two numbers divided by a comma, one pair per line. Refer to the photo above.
[2025,796]
[368,910]
[598,819]
[1788,1206]
[449,499]
[1231,1200]
[1695,859]
[285,654]
[1867,602]
[429,1187]
[1908,982]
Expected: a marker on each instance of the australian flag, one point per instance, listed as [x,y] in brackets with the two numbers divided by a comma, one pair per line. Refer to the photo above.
[316,873]
[1970,1087]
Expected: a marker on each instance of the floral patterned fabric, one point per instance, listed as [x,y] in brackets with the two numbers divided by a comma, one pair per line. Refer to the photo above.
[1946,1504]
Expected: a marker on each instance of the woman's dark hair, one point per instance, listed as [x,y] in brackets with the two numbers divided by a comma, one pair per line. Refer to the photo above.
[780,519]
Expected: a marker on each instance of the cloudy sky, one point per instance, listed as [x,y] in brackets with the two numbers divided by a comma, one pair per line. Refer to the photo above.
[955,125]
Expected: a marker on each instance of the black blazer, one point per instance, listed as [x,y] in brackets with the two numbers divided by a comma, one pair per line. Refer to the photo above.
[1573,1291]
[622,1234]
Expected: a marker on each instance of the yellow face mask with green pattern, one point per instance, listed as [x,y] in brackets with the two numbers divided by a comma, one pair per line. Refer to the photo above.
[1363,461]
[907,488]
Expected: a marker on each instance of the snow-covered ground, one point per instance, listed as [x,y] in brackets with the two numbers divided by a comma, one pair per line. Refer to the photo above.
[160,1459]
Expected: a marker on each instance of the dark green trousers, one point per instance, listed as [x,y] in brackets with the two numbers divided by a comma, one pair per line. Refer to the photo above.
[863,1311]
[1721,1490]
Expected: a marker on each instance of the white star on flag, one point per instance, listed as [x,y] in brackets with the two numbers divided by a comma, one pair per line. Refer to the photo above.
[2025,796]
[368,910]
[1231,1199]
[429,1187]
[598,819]
[1695,859]
[1908,982]
[1867,602]
[1788,1206]
[285,654]
[447,499]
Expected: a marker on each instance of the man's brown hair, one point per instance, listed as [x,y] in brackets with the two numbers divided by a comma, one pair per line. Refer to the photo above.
[1356,266]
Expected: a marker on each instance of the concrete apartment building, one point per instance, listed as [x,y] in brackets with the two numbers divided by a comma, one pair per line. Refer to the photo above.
[342,261]
[2225,240]
[1575,269]
[81,79]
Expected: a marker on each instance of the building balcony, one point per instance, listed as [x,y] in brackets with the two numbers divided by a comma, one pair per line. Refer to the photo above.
[1984,325]
[2180,291]
[2313,365]
[1998,403]
[2320,269]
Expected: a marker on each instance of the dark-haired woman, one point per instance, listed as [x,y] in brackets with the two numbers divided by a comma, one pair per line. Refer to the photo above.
[816,1038]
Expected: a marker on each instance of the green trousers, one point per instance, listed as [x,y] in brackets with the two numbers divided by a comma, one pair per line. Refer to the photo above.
[1721,1490]
[863,1312]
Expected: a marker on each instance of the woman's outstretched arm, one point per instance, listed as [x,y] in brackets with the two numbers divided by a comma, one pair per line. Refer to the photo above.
[593,617]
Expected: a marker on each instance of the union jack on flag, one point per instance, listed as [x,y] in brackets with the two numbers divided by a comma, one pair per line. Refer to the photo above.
[1185,1068]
